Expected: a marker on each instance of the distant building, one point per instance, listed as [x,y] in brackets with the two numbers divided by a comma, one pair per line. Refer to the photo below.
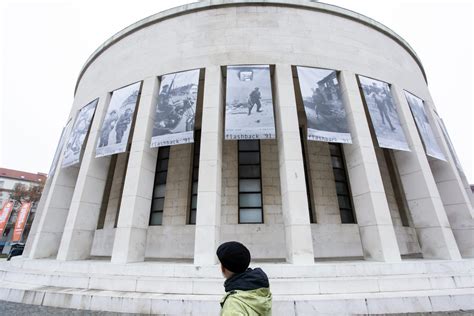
[10,178]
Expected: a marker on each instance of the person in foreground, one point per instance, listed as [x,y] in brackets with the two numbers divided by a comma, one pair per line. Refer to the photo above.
[247,290]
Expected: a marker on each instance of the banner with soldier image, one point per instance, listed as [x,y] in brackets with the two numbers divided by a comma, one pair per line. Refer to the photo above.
[323,105]
[113,136]
[72,153]
[59,148]
[249,103]
[450,144]
[421,119]
[383,114]
[175,112]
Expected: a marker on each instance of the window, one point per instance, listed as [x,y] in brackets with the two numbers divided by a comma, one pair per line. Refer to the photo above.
[307,176]
[250,182]
[158,203]
[342,184]
[397,188]
[195,176]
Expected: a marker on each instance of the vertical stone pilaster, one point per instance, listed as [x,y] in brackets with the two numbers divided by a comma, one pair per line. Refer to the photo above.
[370,202]
[208,215]
[456,202]
[81,222]
[426,208]
[134,216]
[299,244]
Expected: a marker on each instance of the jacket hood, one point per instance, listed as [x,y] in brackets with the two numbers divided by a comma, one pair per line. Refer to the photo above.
[251,279]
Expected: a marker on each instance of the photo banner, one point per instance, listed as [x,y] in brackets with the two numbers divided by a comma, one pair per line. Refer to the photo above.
[323,105]
[424,127]
[115,131]
[72,153]
[383,114]
[5,213]
[59,149]
[450,144]
[175,111]
[21,221]
[249,103]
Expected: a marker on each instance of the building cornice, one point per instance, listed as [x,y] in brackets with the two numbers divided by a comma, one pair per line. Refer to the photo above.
[213,4]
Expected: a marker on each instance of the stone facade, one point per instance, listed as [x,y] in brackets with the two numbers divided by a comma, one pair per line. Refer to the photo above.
[404,204]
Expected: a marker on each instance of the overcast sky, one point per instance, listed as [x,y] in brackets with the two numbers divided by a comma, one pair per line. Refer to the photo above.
[43,45]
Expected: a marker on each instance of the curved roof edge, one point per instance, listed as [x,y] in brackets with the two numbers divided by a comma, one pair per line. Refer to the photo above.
[212,4]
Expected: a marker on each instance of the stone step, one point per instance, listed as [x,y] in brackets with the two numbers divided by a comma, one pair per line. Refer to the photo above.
[280,286]
[169,304]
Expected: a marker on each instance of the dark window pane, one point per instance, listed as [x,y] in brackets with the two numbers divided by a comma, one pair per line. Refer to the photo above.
[158,204]
[161,177]
[339,175]
[337,162]
[192,217]
[249,145]
[341,188]
[195,174]
[163,152]
[347,217]
[196,160]
[249,171]
[249,158]
[249,185]
[195,188]
[162,165]
[344,201]
[335,149]
[250,199]
[159,191]
[194,202]
[251,215]
[156,218]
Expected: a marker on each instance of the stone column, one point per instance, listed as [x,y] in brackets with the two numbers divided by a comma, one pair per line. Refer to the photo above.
[299,243]
[208,214]
[456,202]
[426,208]
[52,211]
[370,202]
[134,216]
[81,223]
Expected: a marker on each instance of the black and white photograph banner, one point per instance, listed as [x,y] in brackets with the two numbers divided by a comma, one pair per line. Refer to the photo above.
[175,112]
[323,105]
[383,114]
[450,144]
[72,153]
[113,136]
[249,103]
[424,127]
[59,148]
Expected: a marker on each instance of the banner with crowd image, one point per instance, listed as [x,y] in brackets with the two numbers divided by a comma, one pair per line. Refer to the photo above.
[175,111]
[59,148]
[383,114]
[249,103]
[72,153]
[424,127]
[115,131]
[323,105]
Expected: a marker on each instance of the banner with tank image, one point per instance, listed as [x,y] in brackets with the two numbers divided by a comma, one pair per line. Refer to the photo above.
[424,128]
[59,148]
[72,153]
[115,131]
[249,103]
[323,105]
[383,114]
[175,111]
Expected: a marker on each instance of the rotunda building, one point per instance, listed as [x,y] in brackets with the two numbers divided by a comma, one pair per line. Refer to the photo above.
[303,130]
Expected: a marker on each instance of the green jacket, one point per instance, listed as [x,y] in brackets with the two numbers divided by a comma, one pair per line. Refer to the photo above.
[248,294]
[248,303]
